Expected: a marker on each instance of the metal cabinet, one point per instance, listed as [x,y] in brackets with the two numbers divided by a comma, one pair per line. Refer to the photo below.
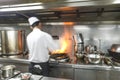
[114,75]
[91,74]
[61,72]
[102,75]
[84,74]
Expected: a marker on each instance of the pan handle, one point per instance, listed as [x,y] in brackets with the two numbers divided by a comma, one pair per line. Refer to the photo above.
[41,78]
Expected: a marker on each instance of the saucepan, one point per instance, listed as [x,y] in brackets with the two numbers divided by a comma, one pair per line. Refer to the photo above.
[94,58]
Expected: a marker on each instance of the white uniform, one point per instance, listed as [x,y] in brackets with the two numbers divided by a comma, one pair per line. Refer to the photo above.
[39,44]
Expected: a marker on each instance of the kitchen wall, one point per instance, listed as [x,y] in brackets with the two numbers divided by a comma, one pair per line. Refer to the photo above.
[9,36]
[101,35]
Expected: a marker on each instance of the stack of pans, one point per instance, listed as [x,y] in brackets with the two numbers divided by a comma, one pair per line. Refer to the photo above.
[114,52]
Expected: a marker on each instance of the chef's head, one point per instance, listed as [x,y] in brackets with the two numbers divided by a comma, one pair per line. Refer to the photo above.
[33,21]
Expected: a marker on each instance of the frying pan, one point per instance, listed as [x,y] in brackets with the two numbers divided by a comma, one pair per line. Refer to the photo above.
[59,56]
[115,55]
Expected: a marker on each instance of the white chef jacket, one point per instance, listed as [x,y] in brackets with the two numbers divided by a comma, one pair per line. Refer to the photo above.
[39,43]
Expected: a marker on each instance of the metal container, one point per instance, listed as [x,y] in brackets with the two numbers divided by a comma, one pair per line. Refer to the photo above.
[79,40]
[114,51]
[12,42]
[8,71]
[90,48]
[115,48]
[94,58]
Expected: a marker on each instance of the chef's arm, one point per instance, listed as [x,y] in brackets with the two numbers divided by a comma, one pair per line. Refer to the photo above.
[52,45]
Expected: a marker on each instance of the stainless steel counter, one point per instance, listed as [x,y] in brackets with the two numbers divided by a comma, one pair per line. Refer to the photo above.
[97,67]
[69,65]
[36,77]
[14,60]
[39,77]
[71,71]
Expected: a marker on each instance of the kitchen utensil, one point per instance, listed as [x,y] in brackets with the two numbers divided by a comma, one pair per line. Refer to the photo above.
[41,78]
[80,38]
[79,55]
[114,51]
[90,48]
[59,57]
[94,58]
[113,54]
[115,48]
[13,42]
[80,43]
[8,71]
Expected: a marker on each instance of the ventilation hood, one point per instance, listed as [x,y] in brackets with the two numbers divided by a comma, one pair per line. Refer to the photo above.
[18,11]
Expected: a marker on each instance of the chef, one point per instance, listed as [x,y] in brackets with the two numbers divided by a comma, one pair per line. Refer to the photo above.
[40,44]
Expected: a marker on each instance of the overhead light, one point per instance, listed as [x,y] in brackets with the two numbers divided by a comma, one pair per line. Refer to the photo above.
[106,27]
[43,13]
[81,27]
[28,4]
[75,0]
[116,1]
[21,7]
[54,23]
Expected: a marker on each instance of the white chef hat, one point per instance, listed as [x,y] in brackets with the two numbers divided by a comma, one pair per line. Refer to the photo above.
[32,20]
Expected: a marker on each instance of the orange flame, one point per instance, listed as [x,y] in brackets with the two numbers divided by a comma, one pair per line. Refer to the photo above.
[63,44]
[65,41]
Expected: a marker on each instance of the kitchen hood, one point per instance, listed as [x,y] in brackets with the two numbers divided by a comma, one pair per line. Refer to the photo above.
[18,11]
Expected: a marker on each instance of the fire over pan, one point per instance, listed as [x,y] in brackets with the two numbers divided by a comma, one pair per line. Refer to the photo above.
[58,56]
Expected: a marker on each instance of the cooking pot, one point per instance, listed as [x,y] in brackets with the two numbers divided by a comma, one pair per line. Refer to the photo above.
[12,42]
[8,71]
[94,58]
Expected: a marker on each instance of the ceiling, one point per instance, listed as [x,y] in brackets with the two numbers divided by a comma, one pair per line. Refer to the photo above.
[63,10]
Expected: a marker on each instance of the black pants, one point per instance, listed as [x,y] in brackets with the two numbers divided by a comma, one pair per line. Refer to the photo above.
[37,71]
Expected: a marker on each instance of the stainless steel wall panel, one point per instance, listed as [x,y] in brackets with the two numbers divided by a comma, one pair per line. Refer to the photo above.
[101,35]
